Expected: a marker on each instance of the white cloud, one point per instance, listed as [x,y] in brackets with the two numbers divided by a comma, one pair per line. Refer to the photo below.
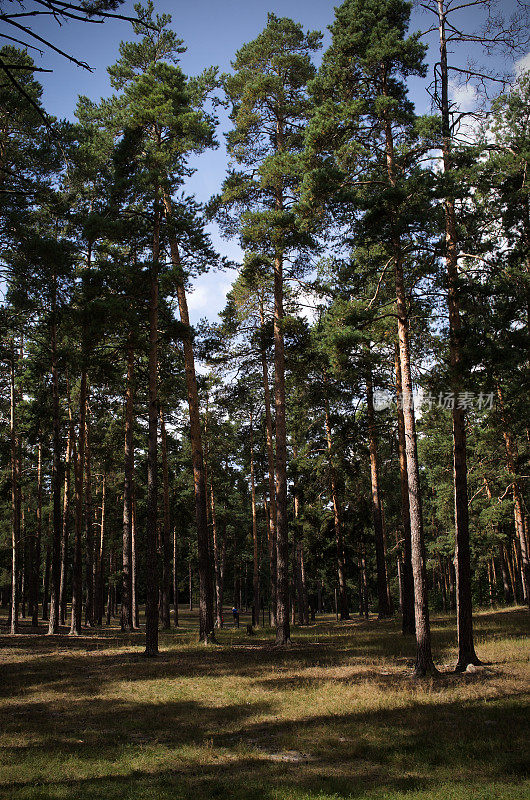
[198,298]
[522,65]
[308,307]
[463,95]
[208,296]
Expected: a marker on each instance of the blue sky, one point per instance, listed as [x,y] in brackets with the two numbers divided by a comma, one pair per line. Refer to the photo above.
[212,31]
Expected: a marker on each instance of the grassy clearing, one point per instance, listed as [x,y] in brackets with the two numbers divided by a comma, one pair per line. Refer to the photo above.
[335,716]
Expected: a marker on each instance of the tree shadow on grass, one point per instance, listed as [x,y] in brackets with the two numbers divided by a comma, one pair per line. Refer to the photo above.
[354,755]
[200,748]
[78,664]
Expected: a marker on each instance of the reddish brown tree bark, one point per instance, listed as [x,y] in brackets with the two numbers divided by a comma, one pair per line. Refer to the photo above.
[206,616]
[424,663]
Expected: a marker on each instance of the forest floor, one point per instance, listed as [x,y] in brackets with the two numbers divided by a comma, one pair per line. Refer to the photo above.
[335,716]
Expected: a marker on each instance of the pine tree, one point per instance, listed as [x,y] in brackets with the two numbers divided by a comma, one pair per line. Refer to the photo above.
[366,131]
[162,114]
[268,94]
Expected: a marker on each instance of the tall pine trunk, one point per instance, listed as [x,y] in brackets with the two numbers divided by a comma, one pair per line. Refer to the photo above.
[424,663]
[175,579]
[272,469]
[89,525]
[217,557]
[79,477]
[512,458]
[206,615]
[298,557]
[464,611]
[152,576]
[282,542]
[46,580]
[100,554]
[53,626]
[343,609]
[66,511]
[255,545]
[38,540]
[165,610]
[508,596]
[134,583]
[407,585]
[127,609]
[15,498]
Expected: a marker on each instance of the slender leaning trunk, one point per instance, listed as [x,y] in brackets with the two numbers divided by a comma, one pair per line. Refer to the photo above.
[424,663]
[206,615]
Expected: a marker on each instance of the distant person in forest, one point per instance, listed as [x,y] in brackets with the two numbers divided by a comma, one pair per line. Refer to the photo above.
[235,614]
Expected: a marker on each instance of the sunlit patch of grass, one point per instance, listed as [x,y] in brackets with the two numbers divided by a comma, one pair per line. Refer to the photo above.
[336,716]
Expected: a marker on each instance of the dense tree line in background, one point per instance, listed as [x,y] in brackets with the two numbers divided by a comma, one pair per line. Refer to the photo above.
[366,456]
